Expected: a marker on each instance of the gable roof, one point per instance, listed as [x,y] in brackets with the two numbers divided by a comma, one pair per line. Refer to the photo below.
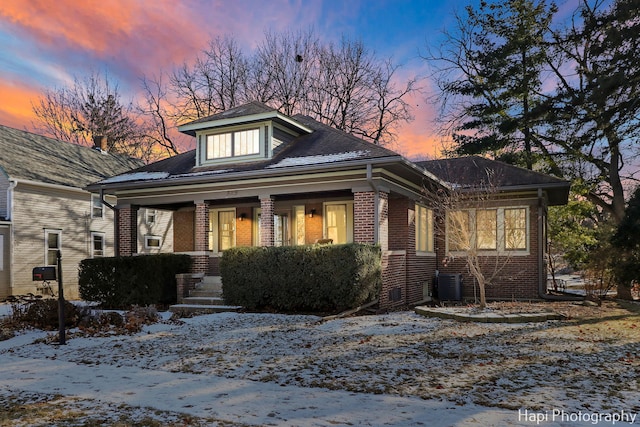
[474,171]
[30,157]
[323,148]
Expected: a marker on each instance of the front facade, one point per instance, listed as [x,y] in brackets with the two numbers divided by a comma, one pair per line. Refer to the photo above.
[44,209]
[260,178]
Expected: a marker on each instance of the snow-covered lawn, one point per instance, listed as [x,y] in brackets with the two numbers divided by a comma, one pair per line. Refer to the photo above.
[292,370]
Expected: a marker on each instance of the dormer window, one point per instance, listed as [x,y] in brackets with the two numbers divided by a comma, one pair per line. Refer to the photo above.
[233,144]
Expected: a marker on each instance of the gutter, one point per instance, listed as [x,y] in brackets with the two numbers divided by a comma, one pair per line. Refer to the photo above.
[203,177]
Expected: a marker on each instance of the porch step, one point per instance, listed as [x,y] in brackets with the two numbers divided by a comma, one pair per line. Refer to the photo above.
[205,298]
[203,309]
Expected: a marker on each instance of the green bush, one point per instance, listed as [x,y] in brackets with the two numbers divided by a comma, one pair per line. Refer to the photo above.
[318,278]
[120,282]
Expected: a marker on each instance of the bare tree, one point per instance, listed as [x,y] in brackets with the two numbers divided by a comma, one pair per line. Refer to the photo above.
[467,219]
[89,108]
[343,85]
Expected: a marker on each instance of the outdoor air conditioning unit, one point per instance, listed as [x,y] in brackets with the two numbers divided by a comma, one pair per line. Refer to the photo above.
[450,287]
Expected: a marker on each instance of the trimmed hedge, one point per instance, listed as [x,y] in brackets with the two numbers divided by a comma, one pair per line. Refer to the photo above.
[120,282]
[318,278]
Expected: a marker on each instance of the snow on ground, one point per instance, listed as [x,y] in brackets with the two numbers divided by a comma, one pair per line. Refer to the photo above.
[397,369]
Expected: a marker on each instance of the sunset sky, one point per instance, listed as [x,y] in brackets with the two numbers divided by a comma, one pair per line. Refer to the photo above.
[44,44]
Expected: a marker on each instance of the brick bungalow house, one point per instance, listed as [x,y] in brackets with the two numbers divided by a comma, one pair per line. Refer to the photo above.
[45,208]
[258,177]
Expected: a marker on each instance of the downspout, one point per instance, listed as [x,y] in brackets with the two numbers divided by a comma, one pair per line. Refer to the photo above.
[542,273]
[12,185]
[116,240]
[376,201]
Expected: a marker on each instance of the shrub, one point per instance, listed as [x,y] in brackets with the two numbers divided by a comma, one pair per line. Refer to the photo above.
[318,278]
[120,282]
[43,314]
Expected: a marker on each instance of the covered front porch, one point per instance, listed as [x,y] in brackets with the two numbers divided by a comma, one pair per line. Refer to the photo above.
[205,228]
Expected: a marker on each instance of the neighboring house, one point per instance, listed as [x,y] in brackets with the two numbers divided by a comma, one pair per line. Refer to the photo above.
[45,208]
[261,178]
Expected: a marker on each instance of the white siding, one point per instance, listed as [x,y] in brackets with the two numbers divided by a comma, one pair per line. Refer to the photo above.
[4,186]
[38,208]
[162,228]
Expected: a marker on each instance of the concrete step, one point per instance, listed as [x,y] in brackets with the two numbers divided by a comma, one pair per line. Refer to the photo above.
[205,293]
[203,300]
[203,309]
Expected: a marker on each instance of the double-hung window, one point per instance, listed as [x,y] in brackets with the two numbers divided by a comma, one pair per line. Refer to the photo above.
[52,244]
[97,245]
[97,209]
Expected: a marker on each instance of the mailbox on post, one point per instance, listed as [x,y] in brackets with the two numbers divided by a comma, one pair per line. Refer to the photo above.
[42,274]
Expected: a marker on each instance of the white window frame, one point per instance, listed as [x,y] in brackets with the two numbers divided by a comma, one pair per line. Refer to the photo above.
[47,249]
[500,231]
[150,216]
[424,243]
[93,252]
[215,231]
[235,142]
[349,207]
[148,238]
[96,206]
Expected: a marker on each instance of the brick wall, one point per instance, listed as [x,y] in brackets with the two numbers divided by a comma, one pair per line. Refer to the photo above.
[518,275]
[127,230]
[244,226]
[363,217]
[313,226]
[266,220]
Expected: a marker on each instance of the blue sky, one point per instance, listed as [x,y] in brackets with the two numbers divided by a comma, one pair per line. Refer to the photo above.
[45,44]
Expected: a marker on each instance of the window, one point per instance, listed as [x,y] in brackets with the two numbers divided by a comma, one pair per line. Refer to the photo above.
[97,245]
[487,229]
[298,228]
[150,216]
[515,229]
[97,208]
[152,242]
[52,244]
[500,229]
[338,222]
[424,229]
[222,223]
[458,231]
[232,144]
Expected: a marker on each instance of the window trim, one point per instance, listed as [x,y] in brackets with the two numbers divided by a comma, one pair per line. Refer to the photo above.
[500,231]
[47,249]
[95,206]
[92,251]
[214,232]
[150,237]
[349,207]
[429,229]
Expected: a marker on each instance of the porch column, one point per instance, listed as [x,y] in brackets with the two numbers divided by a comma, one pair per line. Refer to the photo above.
[371,218]
[127,232]
[201,238]
[267,237]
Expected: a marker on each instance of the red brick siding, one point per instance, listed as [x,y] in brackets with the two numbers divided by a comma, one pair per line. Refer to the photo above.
[244,226]
[394,269]
[127,230]
[313,226]
[266,221]
[363,217]
[518,278]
